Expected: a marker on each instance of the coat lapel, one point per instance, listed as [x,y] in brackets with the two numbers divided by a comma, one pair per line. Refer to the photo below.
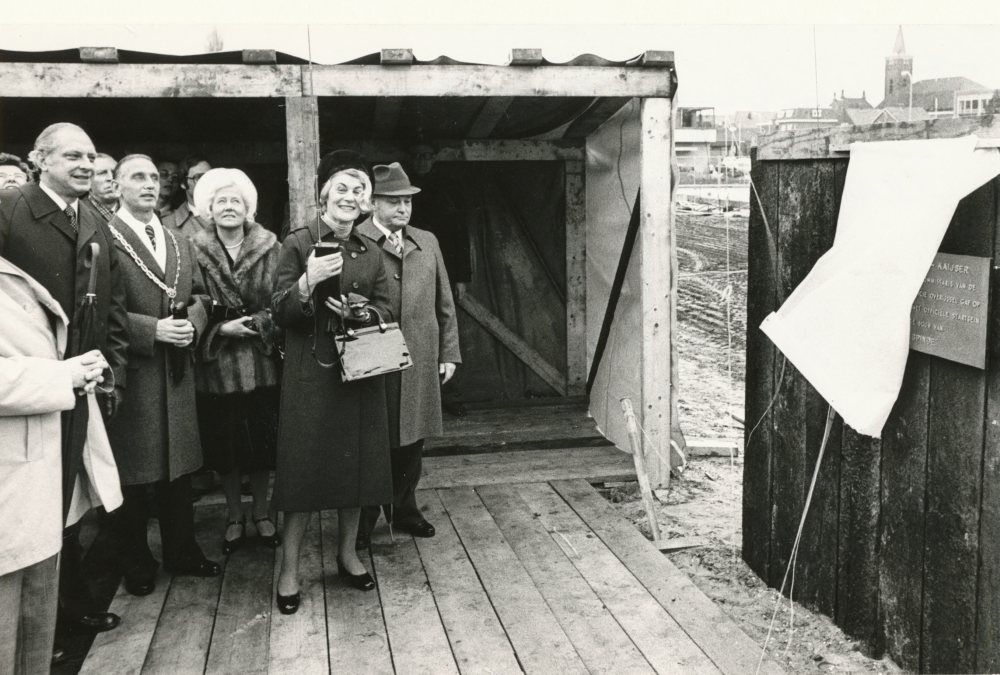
[86,224]
[140,248]
[44,209]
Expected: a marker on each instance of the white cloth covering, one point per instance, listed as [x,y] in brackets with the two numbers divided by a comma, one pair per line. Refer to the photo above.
[98,484]
[846,327]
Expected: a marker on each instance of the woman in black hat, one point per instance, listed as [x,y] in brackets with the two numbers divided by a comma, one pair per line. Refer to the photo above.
[333,443]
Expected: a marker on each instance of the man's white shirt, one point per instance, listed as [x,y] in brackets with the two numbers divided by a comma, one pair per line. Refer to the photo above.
[160,251]
[60,202]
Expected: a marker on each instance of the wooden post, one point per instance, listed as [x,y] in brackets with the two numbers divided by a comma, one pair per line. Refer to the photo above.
[656,255]
[635,441]
[576,279]
[302,132]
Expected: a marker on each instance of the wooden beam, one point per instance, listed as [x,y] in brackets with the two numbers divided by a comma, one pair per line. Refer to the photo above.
[657,59]
[387,110]
[152,80]
[489,115]
[576,279]
[655,241]
[476,150]
[832,142]
[260,56]
[514,342]
[302,129]
[490,81]
[396,57]
[99,54]
[525,57]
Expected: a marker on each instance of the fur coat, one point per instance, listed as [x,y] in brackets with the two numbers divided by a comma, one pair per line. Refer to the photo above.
[231,365]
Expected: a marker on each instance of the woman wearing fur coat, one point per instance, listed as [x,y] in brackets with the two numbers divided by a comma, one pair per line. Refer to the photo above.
[239,369]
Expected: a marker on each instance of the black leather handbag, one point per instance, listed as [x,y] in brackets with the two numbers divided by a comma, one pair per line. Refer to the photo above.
[375,350]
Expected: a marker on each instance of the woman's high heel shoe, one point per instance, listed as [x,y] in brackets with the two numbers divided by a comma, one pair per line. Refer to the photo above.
[230,545]
[288,604]
[362,582]
[272,541]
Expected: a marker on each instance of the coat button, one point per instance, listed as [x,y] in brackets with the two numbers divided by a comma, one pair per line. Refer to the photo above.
[396,275]
[363,249]
[353,254]
[355,284]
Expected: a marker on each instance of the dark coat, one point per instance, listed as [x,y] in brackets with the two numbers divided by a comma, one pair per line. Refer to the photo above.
[184,221]
[37,237]
[420,296]
[333,442]
[231,365]
[158,437]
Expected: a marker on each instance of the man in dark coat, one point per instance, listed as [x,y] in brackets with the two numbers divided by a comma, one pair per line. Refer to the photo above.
[156,446]
[421,299]
[46,230]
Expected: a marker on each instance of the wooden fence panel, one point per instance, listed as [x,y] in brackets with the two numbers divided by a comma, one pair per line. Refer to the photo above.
[954,463]
[760,368]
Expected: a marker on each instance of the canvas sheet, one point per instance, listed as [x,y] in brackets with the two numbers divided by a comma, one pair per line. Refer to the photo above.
[846,326]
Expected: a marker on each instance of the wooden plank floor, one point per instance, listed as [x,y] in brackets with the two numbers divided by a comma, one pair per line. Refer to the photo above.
[536,577]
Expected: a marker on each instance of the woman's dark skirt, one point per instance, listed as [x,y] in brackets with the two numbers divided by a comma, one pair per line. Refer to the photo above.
[239,432]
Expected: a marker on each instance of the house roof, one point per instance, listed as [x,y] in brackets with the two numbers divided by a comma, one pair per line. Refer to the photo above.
[890,115]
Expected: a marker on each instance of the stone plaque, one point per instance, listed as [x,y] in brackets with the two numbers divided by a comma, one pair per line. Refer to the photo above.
[950,315]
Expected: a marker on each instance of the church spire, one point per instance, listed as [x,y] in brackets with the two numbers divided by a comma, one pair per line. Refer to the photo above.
[899,49]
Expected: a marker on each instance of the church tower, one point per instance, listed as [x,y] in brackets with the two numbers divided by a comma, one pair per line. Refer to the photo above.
[897,87]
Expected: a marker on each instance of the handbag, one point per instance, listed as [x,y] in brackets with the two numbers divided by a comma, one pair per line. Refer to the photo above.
[375,350]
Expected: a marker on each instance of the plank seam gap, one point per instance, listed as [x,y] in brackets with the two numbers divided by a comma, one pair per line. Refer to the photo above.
[437,608]
[381,608]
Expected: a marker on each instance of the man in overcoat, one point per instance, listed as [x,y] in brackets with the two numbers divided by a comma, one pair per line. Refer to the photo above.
[156,445]
[421,298]
[184,219]
[46,230]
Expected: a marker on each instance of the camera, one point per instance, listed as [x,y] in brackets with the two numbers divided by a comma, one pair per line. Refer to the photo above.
[322,248]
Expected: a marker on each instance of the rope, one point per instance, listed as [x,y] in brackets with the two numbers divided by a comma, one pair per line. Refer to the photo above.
[790,568]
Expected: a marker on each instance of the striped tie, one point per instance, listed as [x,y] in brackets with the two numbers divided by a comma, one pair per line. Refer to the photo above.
[151,235]
[71,214]
[397,243]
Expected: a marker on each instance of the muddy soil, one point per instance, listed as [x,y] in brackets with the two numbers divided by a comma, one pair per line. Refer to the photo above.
[706,501]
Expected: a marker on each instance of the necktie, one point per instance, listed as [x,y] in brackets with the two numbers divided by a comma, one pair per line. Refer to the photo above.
[397,243]
[151,235]
[71,214]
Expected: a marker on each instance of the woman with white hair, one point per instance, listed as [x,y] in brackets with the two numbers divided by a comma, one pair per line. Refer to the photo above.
[238,374]
[333,444]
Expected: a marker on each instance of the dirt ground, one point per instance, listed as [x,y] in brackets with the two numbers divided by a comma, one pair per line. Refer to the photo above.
[707,500]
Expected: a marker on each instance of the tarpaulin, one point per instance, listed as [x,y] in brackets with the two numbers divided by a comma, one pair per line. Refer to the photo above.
[846,326]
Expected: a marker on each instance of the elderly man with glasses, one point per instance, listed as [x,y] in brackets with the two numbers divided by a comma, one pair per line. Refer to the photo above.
[184,220]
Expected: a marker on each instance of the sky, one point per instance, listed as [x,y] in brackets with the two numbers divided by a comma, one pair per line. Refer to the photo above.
[760,56]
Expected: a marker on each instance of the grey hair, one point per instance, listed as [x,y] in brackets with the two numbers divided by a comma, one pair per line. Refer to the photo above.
[128,158]
[46,142]
[366,199]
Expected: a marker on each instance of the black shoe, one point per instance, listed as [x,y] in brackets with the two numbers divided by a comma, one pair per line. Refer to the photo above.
[95,622]
[363,542]
[140,581]
[196,568]
[273,541]
[59,656]
[289,604]
[362,582]
[230,545]
[420,528]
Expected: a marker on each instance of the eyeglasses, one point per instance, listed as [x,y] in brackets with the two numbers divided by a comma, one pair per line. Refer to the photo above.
[195,178]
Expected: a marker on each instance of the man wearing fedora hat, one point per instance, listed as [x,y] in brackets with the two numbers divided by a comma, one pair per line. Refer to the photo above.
[421,299]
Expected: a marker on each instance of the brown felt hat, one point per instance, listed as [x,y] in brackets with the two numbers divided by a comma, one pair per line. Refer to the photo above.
[392,181]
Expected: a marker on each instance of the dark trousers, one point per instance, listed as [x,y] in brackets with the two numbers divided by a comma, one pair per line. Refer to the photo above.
[171,501]
[75,599]
[407,464]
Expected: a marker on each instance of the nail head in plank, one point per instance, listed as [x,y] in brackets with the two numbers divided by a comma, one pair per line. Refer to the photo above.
[598,638]
[298,641]
[476,635]
[539,640]
[355,629]
[419,642]
[732,651]
[99,54]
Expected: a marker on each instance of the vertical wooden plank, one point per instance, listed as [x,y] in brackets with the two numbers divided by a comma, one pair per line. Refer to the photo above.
[760,366]
[576,280]
[798,201]
[243,620]
[541,644]
[477,638]
[298,641]
[302,141]
[657,287]
[184,631]
[355,628]
[955,465]
[816,580]
[857,566]
[901,537]
[988,601]
[419,642]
